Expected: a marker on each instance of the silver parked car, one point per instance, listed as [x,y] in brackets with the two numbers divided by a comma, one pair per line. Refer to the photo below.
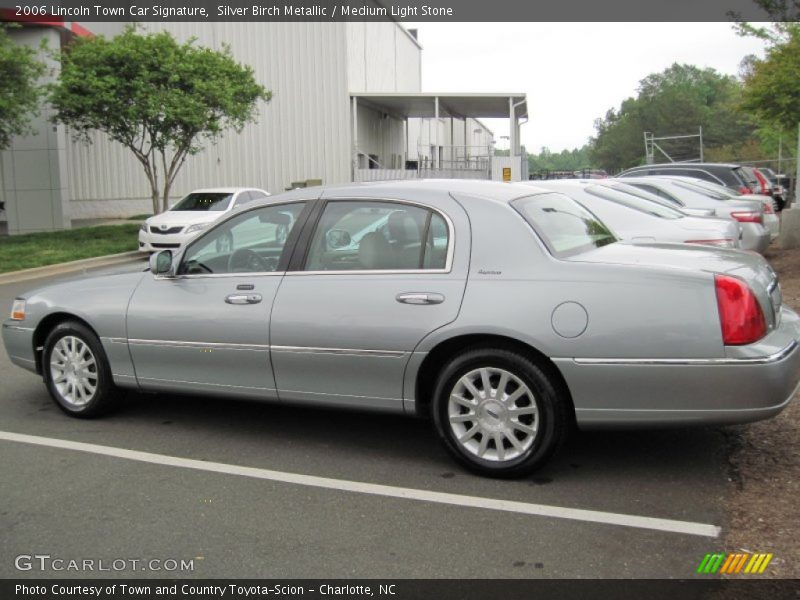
[684,193]
[719,192]
[505,312]
[635,219]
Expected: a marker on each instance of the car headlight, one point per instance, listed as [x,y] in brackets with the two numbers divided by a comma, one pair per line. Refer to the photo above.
[195,228]
[143,227]
[18,309]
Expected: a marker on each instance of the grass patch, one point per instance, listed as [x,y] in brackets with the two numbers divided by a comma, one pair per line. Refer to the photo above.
[52,247]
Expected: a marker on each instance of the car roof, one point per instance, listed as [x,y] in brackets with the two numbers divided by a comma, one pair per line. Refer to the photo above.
[567,183]
[685,165]
[223,190]
[490,190]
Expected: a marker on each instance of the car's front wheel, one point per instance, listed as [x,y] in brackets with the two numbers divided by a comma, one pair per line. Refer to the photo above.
[498,413]
[76,370]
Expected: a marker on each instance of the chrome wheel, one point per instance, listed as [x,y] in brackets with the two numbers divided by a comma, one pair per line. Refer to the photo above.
[73,370]
[493,414]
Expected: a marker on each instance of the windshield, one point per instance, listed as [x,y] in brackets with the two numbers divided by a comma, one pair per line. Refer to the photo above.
[635,202]
[565,226]
[204,201]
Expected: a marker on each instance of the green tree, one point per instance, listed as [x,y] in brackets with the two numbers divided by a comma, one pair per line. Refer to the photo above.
[674,102]
[772,86]
[19,90]
[157,97]
[566,160]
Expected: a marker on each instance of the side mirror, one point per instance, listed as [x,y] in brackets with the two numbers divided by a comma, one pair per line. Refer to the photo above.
[161,263]
[337,238]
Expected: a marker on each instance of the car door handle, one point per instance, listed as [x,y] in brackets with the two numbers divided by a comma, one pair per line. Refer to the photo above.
[419,298]
[243,299]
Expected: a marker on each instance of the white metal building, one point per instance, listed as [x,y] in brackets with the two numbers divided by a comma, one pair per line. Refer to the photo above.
[346,105]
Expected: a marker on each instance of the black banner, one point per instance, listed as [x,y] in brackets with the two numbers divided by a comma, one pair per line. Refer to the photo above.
[399,10]
[400,589]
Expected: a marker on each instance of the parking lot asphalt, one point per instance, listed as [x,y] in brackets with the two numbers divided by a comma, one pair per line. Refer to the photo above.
[78,504]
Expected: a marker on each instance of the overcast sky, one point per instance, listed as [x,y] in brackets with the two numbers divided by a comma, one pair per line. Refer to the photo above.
[572,73]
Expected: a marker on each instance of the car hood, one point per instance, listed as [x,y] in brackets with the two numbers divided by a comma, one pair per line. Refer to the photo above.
[748,266]
[184,217]
[87,284]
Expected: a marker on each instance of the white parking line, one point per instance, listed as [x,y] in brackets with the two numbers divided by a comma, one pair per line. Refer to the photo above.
[525,508]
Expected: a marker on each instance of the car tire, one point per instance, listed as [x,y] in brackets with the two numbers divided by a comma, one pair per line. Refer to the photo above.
[225,243]
[522,402]
[76,371]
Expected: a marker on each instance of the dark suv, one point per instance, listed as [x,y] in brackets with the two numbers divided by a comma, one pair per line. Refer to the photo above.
[731,176]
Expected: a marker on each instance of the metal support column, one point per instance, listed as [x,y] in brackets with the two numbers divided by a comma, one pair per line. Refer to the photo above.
[512,134]
[355,140]
[435,157]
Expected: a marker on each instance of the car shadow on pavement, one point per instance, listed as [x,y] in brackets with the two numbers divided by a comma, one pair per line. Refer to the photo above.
[323,434]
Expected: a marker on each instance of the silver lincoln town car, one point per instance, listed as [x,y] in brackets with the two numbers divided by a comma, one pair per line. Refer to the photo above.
[508,313]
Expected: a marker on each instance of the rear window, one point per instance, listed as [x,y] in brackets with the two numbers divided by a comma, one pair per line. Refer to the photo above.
[564,226]
[711,191]
[654,209]
[647,192]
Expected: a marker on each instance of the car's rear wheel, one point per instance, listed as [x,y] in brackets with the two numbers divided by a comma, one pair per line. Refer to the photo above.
[76,370]
[499,413]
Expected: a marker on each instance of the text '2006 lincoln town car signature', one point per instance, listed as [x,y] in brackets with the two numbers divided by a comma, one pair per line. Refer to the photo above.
[507,313]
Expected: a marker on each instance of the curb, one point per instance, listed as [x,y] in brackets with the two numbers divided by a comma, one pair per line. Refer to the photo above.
[70,267]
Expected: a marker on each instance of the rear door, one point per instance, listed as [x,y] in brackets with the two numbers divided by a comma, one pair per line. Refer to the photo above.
[375,278]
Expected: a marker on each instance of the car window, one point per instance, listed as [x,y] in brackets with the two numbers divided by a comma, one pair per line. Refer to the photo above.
[370,236]
[204,201]
[645,189]
[565,226]
[242,199]
[251,242]
[649,207]
[716,194]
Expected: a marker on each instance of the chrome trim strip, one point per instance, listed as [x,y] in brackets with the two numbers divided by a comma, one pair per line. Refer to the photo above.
[218,345]
[332,395]
[264,347]
[16,327]
[348,351]
[372,272]
[204,384]
[225,275]
[771,287]
[759,360]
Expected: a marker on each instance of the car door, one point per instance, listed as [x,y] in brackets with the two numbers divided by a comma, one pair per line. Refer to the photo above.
[207,327]
[375,277]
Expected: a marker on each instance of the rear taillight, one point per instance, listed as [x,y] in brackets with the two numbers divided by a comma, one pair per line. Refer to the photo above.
[749,216]
[720,243]
[744,190]
[768,209]
[740,314]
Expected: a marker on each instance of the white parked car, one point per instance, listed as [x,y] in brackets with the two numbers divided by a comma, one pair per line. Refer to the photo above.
[192,215]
